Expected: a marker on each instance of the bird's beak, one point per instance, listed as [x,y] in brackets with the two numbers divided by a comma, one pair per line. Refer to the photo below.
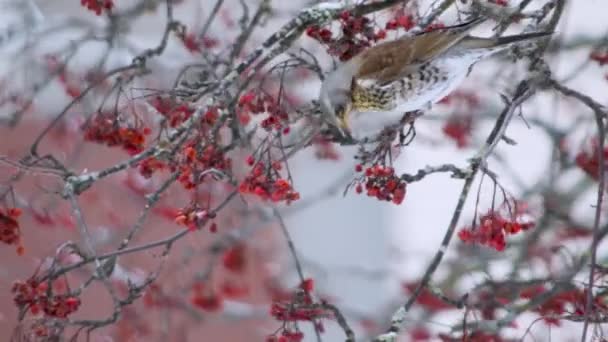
[343,117]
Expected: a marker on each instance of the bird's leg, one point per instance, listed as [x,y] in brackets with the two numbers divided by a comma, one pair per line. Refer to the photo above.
[408,119]
[411,132]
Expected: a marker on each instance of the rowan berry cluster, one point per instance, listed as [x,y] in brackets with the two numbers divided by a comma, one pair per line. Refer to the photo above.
[195,44]
[589,161]
[254,103]
[492,230]
[234,258]
[175,113]
[601,57]
[301,308]
[401,20]
[35,296]
[356,34]
[207,301]
[381,182]
[194,159]
[194,216]
[10,232]
[149,166]
[98,6]
[459,129]
[572,301]
[286,335]
[503,3]
[266,183]
[108,130]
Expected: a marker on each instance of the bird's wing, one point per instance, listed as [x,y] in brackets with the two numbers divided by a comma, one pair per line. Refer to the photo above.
[390,61]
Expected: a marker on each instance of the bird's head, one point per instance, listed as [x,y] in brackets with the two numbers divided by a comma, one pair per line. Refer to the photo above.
[335,97]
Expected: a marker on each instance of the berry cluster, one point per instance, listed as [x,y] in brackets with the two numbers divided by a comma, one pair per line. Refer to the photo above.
[493,229]
[234,258]
[503,3]
[426,298]
[193,159]
[205,298]
[356,34]
[459,128]
[106,129]
[175,113]
[267,185]
[381,182]
[98,6]
[589,161]
[193,216]
[36,297]
[259,103]
[401,20]
[302,308]
[286,336]
[601,57]
[194,44]
[149,166]
[10,233]
[570,301]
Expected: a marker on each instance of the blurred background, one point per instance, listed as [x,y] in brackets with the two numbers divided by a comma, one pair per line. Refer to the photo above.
[364,255]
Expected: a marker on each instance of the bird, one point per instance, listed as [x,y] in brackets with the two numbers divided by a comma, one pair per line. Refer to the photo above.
[374,89]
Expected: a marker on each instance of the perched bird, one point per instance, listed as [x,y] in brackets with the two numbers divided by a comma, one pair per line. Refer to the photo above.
[375,88]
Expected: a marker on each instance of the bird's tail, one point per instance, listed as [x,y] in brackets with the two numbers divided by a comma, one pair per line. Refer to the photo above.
[506,40]
[502,42]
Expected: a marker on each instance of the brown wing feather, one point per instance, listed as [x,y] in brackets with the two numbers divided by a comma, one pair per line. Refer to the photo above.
[389,61]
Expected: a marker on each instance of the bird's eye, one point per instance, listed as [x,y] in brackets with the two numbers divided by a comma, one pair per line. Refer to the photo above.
[340,109]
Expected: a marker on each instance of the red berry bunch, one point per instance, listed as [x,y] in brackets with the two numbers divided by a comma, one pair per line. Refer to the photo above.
[503,3]
[194,159]
[589,161]
[300,309]
[381,182]
[59,306]
[194,44]
[149,166]
[205,298]
[98,6]
[106,129]
[569,302]
[267,184]
[356,34]
[234,290]
[175,113]
[459,128]
[288,312]
[10,233]
[459,125]
[35,297]
[286,335]
[193,216]
[259,103]
[234,258]
[601,57]
[492,230]
[401,20]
